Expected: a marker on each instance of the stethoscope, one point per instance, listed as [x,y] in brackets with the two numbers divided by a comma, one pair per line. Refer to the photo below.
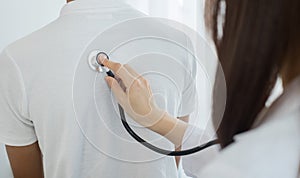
[95,64]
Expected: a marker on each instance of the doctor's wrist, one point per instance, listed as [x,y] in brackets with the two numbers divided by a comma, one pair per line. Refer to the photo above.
[171,128]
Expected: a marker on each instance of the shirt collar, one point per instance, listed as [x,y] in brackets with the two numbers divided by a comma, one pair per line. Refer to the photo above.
[81,6]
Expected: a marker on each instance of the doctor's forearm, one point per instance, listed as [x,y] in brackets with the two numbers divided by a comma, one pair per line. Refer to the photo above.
[171,128]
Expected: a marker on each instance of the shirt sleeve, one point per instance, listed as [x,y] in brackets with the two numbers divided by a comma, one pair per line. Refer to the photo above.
[16,129]
[193,164]
[188,100]
[189,94]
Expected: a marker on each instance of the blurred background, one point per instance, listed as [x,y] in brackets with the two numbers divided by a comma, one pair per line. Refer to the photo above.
[20,18]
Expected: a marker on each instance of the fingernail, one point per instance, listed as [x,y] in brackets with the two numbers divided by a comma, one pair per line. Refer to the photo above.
[102,58]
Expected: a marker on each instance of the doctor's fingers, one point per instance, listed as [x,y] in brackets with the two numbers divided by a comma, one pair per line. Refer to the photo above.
[117,90]
[124,72]
[131,71]
[115,67]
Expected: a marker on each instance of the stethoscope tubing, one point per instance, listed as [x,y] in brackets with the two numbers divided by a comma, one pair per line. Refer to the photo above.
[147,144]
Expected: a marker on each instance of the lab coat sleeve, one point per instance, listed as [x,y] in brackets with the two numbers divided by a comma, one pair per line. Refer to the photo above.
[15,127]
[194,163]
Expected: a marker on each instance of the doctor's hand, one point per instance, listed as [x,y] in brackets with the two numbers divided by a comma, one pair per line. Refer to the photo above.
[134,94]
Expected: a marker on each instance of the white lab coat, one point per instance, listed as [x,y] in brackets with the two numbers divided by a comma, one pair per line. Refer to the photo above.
[271,150]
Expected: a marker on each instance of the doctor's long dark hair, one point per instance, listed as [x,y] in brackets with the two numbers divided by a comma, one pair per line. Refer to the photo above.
[257,35]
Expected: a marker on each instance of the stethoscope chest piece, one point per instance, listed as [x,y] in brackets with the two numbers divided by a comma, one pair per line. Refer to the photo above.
[93,62]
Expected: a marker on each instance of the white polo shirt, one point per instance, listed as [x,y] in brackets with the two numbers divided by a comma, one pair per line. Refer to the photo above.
[38,101]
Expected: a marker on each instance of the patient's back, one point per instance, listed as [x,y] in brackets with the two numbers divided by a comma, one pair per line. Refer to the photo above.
[69,109]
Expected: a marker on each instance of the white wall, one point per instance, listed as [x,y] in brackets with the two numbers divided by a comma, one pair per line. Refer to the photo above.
[19,18]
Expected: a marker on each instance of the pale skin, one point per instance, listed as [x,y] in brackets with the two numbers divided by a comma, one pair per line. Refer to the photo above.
[138,103]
